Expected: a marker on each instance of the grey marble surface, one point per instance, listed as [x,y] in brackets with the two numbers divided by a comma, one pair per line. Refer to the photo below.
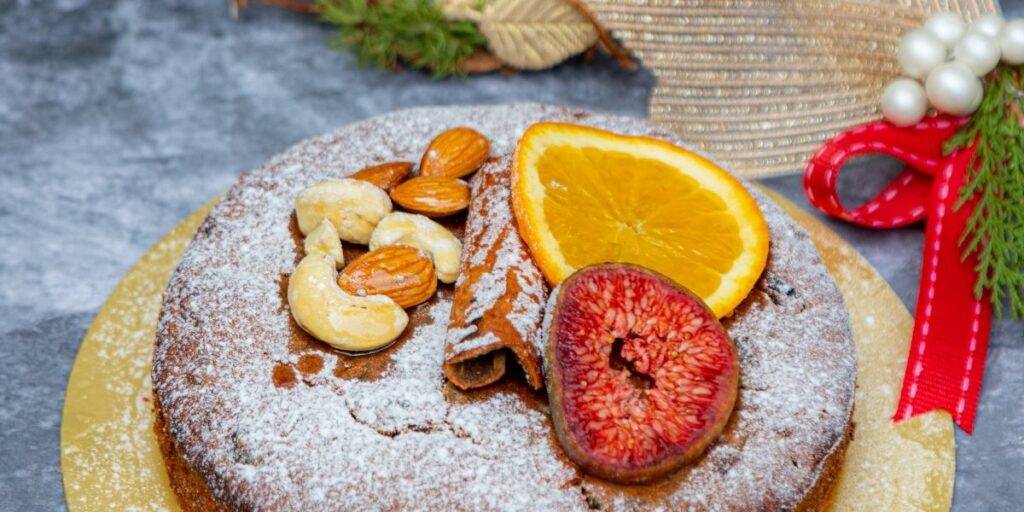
[117,118]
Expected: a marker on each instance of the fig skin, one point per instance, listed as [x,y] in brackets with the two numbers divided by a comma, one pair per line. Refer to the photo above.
[671,457]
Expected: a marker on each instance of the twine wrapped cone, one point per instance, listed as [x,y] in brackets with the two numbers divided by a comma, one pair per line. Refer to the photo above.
[760,84]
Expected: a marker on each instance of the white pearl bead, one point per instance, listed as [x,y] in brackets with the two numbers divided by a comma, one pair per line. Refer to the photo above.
[1011,41]
[978,99]
[952,88]
[978,52]
[919,53]
[904,102]
[989,25]
[946,26]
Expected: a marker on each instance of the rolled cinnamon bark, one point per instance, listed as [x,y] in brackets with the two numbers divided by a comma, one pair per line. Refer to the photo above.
[499,297]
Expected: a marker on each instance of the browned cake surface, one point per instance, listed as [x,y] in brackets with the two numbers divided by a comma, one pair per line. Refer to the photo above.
[256,415]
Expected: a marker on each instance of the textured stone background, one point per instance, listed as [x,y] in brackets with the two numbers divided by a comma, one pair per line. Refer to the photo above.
[119,117]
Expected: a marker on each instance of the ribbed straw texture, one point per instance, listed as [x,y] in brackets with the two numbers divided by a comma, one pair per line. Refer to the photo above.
[760,84]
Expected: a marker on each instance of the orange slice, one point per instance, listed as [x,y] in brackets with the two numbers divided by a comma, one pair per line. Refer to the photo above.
[583,196]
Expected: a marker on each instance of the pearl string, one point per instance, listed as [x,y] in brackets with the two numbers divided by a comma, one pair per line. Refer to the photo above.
[943,62]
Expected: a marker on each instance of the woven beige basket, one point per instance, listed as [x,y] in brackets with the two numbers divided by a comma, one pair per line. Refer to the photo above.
[760,84]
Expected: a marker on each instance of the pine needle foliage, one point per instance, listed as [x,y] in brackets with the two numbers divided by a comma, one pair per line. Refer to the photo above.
[995,229]
[390,33]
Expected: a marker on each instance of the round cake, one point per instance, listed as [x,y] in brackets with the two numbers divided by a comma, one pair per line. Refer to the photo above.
[252,413]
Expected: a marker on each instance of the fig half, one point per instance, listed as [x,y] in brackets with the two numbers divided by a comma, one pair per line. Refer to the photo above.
[641,375]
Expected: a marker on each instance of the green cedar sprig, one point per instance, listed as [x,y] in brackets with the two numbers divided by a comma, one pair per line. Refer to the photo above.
[995,229]
[389,33]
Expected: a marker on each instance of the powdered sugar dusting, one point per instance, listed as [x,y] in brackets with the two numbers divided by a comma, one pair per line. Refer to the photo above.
[494,256]
[396,442]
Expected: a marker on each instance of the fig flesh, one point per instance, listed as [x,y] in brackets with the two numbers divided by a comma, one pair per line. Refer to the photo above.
[641,375]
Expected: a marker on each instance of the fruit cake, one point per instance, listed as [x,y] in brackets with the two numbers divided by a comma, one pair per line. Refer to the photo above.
[254,414]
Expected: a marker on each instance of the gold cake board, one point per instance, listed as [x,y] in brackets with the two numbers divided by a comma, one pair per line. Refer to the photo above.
[110,459]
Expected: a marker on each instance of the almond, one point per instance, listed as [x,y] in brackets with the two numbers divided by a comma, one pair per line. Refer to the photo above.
[404,274]
[386,175]
[433,197]
[455,153]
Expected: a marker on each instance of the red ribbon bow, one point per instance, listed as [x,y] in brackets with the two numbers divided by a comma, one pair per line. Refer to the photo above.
[951,326]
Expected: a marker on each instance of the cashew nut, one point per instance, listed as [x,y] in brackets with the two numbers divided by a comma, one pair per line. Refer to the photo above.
[343,321]
[353,206]
[325,240]
[417,231]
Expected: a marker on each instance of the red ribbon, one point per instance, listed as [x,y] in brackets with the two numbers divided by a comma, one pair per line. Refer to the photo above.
[951,326]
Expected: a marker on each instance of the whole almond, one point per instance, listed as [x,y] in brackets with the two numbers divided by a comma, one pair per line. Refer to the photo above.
[433,197]
[455,153]
[405,274]
[386,175]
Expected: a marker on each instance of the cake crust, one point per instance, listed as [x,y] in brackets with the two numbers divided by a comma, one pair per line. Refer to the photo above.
[260,416]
